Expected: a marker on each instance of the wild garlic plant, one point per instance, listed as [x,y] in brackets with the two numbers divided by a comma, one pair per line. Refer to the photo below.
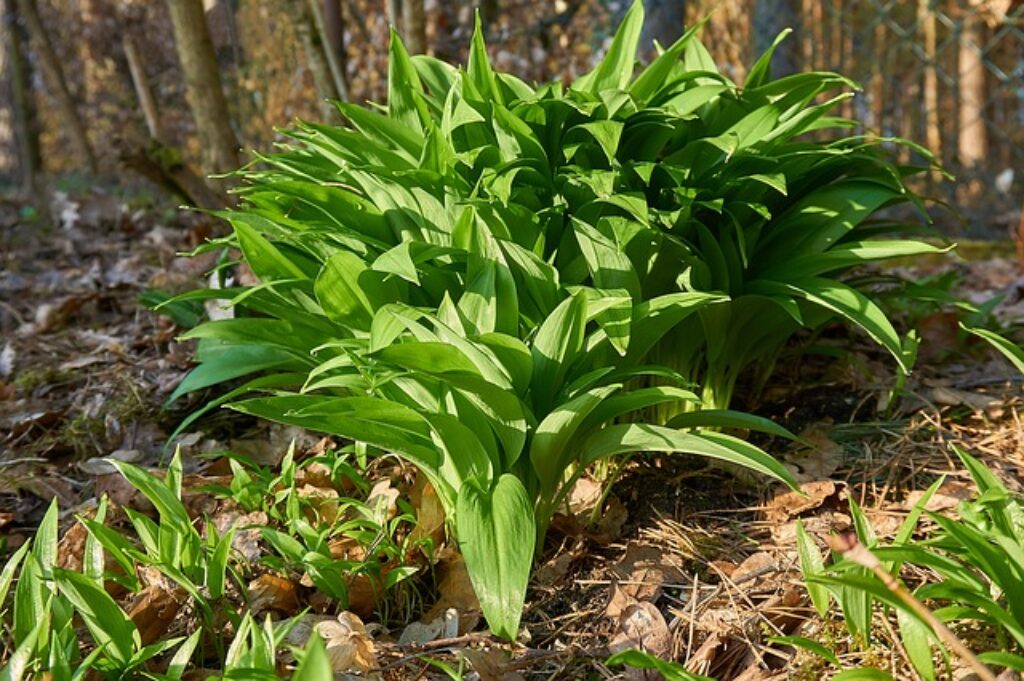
[497,281]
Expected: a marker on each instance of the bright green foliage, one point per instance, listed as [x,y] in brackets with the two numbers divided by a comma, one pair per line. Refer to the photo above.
[978,557]
[670,671]
[483,277]
[48,605]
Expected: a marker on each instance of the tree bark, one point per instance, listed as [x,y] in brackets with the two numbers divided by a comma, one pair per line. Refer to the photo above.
[932,134]
[414,26]
[202,81]
[26,131]
[336,66]
[316,58]
[664,21]
[142,89]
[57,86]
[973,142]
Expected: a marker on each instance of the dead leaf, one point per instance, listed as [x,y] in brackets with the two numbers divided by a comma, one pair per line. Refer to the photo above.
[153,609]
[819,458]
[429,513]
[952,397]
[384,498]
[947,497]
[753,563]
[445,626]
[456,591]
[790,503]
[349,647]
[71,548]
[639,576]
[490,664]
[322,503]
[938,333]
[270,592]
[584,495]
[642,626]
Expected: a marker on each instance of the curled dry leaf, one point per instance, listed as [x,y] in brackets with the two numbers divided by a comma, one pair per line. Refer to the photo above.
[384,498]
[445,626]
[819,458]
[349,646]
[642,626]
[429,513]
[490,664]
[456,591]
[946,498]
[271,592]
[153,610]
[790,504]
[71,548]
[639,576]
[323,503]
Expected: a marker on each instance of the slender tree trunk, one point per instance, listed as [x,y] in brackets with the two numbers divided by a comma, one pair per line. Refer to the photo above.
[202,80]
[26,131]
[664,21]
[394,10]
[336,67]
[973,142]
[414,26]
[334,32]
[878,88]
[932,134]
[56,84]
[317,60]
[142,89]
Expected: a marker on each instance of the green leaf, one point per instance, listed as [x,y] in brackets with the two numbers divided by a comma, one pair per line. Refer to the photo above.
[350,292]
[842,300]
[916,639]
[405,103]
[496,534]
[671,671]
[812,564]
[1009,349]
[109,625]
[863,674]
[727,418]
[616,68]
[635,437]
[808,645]
[315,665]
[266,261]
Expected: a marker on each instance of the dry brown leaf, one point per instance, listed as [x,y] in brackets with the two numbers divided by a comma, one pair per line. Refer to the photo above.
[429,513]
[153,609]
[790,503]
[753,563]
[553,571]
[322,503]
[384,497]
[271,592]
[456,591]
[445,626]
[71,548]
[584,495]
[820,459]
[349,647]
[639,576]
[947,497]
[490,664]
[642,626]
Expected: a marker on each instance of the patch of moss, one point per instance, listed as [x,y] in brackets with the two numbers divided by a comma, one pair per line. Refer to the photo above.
[28,380]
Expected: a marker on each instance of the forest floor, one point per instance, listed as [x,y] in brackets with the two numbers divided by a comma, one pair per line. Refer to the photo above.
[681,560]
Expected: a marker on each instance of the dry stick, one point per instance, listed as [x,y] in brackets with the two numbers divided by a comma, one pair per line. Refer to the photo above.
[858,553]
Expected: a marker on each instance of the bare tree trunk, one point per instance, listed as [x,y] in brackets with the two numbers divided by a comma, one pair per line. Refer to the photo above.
[334,32]
[337,70]
[973,142]
[414,26]
[26,131]
[316,58]
[142,90]
[878,88]
[932,134]
[202,80]
[394,10]
[57,85]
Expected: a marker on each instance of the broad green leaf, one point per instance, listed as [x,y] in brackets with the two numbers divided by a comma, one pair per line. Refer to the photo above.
[496,534]
[670,671]
[1007,348]
[616,67]
[808,645]
[315,665]
[109,625]
[812,564]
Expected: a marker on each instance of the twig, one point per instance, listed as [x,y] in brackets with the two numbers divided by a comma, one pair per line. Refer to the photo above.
[858,553]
